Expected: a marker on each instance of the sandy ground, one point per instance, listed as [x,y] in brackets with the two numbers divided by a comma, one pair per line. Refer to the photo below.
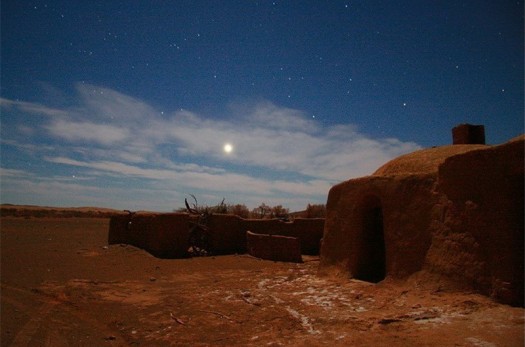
[62,285]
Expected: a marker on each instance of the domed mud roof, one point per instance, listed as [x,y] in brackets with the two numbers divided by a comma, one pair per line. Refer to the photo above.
[425,161]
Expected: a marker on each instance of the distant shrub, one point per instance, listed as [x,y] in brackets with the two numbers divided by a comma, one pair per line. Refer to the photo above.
[239,210]
[315,211]
[262,211]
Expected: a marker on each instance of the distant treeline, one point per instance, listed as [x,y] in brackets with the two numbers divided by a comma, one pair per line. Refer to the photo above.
[263,211]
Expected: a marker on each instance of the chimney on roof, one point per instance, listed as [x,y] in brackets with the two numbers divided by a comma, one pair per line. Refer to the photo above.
[468,134]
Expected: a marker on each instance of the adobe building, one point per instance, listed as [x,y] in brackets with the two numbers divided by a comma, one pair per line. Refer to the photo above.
[449,216]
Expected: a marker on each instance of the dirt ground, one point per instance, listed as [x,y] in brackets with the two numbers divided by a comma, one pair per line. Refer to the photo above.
[62,285]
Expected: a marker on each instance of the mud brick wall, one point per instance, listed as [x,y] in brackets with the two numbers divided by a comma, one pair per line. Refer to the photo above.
[457,223]
[164,235]
[265,226]
[405,207]
[167,234]
[274,247]
[309,231]
[228,232]
[118,229]
[468,134]
[227,236]
[479,240]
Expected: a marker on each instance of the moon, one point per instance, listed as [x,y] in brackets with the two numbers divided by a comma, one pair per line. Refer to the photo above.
[228,148]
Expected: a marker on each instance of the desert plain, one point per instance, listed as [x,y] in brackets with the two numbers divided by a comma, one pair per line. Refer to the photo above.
[63,285]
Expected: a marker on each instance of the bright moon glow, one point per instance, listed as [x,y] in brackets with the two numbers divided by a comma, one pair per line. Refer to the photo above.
[228,148]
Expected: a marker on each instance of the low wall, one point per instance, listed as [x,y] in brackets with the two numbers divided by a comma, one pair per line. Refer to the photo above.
[274,247]
[167,234]
[227,235]
[309,231]
[228,232]
[164,235]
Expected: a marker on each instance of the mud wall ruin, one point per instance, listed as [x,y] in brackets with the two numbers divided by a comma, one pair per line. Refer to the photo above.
[309,231]
[167,234]
[163,235]
[274,247]
[228,235]
[452,214]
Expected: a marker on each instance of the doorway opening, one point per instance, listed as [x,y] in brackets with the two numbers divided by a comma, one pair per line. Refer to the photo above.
[371,262]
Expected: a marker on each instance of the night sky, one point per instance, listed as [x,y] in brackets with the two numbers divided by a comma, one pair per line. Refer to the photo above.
[136,104]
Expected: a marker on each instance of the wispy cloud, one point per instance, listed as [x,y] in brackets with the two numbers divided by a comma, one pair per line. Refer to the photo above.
[32,108]
[200,179]
[280,154]
[106,135]
[4,173]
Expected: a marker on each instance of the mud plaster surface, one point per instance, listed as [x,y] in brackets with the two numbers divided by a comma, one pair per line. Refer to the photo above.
[62,285]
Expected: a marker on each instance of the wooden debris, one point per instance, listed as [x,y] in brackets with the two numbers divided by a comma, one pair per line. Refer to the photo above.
[176,319]
[216,313]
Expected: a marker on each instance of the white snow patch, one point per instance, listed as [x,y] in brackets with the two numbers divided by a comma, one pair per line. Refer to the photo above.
[277,300]
[263,283]
[479,343]
[305,321]
[437,320]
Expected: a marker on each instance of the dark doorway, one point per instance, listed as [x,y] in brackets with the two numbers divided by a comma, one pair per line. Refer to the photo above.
[371,262]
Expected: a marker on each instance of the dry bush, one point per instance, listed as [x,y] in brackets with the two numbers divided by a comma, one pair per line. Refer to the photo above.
[315,211]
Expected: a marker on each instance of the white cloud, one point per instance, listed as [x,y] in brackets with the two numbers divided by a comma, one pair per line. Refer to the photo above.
[104,104]
[32,108]
[270,116]
[198,179]
[280,154]
[4,173]
[86,131]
